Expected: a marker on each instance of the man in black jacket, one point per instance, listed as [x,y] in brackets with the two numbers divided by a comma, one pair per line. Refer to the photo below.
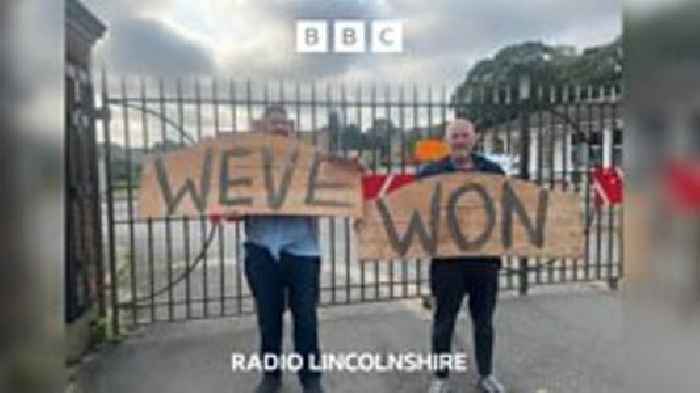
[452,278]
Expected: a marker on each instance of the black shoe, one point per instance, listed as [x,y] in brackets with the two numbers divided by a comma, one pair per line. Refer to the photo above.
[269,384]
[313,387]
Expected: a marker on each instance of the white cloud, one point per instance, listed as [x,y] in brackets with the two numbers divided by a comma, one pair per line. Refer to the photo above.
[254,39]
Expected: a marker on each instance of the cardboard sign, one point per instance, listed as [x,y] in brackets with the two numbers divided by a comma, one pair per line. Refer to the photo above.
[249,173]
[471,214]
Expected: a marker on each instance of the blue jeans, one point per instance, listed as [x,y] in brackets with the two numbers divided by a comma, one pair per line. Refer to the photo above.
[268,280]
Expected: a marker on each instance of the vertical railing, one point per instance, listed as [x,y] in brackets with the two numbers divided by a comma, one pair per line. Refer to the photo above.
[524,103]
[114,280]
[176,277]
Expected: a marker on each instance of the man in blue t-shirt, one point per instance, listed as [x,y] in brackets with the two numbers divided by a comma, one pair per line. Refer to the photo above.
[282,260]
[452,278]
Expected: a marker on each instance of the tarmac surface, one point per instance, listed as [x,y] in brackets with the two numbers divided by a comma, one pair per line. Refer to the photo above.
[558,339]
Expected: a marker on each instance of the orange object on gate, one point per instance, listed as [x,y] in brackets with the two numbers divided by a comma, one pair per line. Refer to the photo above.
[431,150]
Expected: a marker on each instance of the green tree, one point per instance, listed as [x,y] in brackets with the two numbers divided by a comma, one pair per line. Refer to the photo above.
[546,66]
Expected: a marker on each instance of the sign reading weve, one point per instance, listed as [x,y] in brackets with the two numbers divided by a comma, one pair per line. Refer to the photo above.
[248,173]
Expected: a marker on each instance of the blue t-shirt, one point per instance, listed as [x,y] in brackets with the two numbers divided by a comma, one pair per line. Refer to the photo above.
[297,235]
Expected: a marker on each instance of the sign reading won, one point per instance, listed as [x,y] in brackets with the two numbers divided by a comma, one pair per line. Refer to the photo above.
[471,214]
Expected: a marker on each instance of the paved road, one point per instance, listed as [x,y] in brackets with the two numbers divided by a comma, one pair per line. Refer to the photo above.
[564,342]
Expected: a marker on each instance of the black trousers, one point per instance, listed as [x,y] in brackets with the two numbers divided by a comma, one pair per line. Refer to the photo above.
[269,280]
[450,280]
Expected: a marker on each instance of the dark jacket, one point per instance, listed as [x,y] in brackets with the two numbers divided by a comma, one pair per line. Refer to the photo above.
[481,164]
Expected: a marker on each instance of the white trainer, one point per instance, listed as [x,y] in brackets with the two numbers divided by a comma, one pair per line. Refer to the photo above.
[439,385]
[489,384]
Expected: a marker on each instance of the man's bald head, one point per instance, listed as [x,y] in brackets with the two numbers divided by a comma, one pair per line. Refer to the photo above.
[461,136]
[459,124]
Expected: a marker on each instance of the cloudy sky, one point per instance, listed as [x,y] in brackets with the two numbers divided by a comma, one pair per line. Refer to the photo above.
[255,38]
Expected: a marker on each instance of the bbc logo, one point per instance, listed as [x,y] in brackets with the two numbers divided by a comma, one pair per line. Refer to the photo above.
[349,36]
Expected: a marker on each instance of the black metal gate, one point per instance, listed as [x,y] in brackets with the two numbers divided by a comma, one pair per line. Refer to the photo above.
[83,251]
[168,269]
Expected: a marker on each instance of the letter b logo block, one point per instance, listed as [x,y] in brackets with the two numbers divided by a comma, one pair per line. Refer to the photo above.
[349,36]
[312,36]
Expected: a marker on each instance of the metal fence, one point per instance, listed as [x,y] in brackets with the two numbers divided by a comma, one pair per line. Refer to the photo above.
[181,268]
[83,248]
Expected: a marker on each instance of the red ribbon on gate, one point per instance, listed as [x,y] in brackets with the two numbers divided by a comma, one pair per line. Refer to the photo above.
[608,186]
[376,186]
